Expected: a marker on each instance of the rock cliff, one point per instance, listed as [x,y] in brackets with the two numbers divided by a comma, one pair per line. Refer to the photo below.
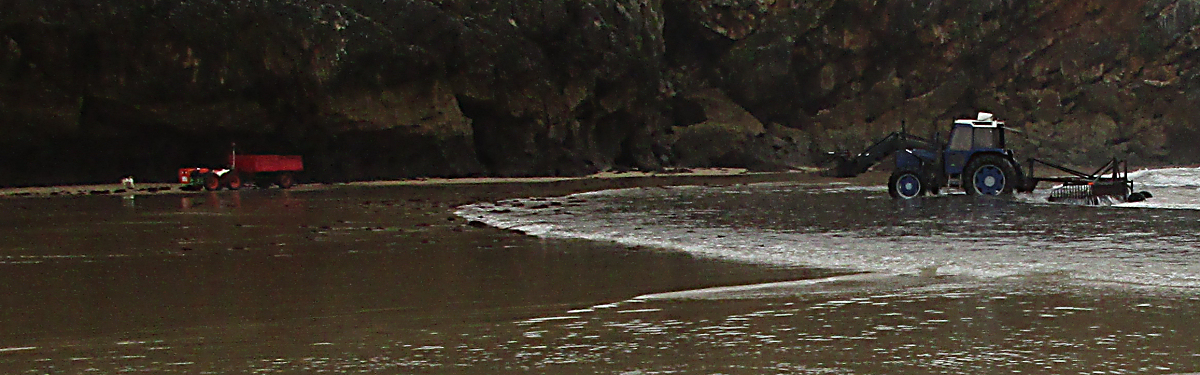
[368,89]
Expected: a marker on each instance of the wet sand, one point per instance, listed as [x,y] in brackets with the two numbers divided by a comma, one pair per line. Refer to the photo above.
[467,188]
[218,281]
[383,277]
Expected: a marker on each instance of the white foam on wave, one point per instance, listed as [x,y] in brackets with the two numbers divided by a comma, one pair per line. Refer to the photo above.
[1166,178]
[1173,188]
[825,285]
[990,255]
[847,251]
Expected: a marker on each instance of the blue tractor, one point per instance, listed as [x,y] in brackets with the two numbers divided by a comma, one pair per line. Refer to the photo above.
[975,158]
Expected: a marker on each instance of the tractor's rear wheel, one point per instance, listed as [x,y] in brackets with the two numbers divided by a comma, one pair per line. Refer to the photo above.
[232,180]
[212,182]
[989,175]
[906,185]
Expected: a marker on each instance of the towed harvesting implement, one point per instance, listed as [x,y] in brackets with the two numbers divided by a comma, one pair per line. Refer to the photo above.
[262,170]
[976,159]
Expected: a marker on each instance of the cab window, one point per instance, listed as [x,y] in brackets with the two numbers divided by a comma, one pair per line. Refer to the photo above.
[960,139]
[986,138]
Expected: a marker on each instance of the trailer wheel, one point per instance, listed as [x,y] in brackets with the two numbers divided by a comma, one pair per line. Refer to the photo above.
[211,182]
[285,181]
[906,185]
[233,181]
[989,175]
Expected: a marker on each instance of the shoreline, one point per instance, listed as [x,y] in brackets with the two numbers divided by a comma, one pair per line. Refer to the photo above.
[551,185]
[480,188]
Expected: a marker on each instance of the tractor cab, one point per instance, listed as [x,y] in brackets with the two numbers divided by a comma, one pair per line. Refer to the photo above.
[971,137]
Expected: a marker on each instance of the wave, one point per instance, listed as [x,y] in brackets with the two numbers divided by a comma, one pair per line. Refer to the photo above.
[1166,178]
[834,227]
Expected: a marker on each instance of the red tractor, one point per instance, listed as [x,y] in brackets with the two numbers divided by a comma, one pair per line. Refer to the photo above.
[262,170]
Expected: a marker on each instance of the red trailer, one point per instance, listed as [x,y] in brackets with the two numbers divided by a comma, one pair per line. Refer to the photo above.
[263,170]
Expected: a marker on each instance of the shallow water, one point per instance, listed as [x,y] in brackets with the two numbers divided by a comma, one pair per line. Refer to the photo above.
[767,278]
[953,284]
[861,229]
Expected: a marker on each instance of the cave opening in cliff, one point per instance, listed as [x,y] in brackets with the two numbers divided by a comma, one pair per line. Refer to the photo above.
[687,112]
[504,144]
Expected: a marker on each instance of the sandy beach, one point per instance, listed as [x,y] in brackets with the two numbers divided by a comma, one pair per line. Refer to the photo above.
[461,190]
[92,272]
[385,277]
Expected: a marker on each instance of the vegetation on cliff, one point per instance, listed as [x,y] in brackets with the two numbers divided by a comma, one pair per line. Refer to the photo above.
[405,88]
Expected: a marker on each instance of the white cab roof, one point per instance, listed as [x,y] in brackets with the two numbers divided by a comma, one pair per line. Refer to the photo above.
[984,120]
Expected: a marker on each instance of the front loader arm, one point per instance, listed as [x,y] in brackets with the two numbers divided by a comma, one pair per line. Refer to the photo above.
[850,166]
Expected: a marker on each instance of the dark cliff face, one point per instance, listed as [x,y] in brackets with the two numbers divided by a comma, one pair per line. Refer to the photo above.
[392,89]
[362,89]
[1085,80]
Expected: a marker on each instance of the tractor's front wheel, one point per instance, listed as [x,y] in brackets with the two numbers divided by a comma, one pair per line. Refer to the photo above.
[906,185]
[989,175]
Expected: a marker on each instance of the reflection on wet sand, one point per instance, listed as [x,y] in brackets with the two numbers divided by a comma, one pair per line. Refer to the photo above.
[233,281]
[390,281]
